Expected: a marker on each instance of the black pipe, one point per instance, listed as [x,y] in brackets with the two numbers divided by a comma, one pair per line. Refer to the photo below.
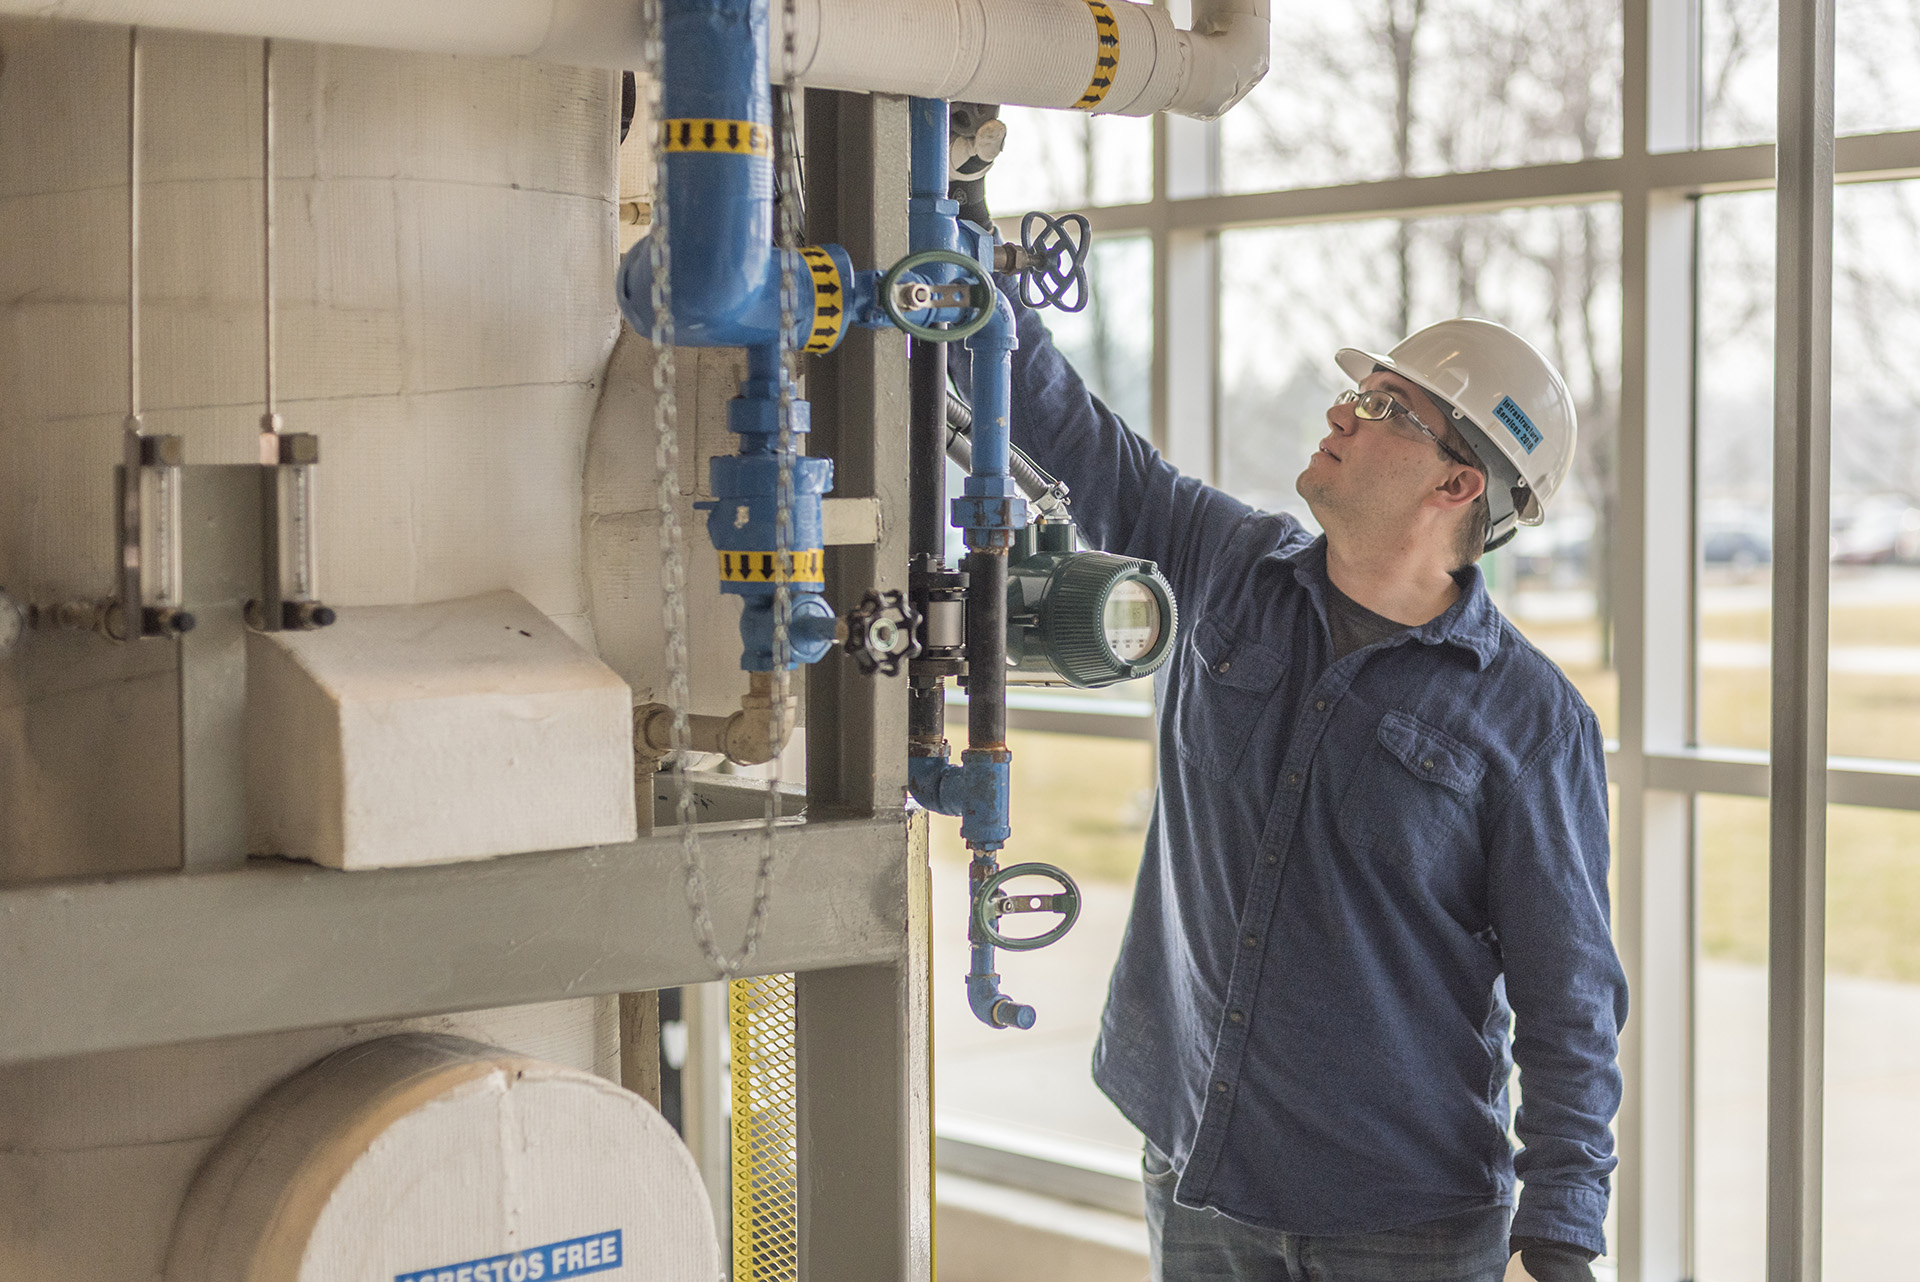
[987,648]
[926,437]
[926,533]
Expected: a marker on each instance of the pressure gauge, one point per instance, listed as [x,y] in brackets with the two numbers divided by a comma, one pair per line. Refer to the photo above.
[1083,618]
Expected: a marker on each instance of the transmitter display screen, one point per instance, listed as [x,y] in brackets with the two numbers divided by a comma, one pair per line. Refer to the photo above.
[1132,619]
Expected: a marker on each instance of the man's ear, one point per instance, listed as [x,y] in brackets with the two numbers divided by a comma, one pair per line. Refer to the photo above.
[1462,486]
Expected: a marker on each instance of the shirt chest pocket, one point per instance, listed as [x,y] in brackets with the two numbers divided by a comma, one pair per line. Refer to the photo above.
[1224,691]
[1415,792]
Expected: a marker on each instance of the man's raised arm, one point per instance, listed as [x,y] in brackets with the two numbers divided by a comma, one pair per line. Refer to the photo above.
[1126,498]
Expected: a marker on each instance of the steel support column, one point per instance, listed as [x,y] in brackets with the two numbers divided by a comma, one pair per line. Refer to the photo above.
[856,189]
[865,1037]
[864,1032]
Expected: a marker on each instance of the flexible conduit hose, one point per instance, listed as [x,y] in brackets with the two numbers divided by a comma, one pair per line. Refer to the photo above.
[1042,490]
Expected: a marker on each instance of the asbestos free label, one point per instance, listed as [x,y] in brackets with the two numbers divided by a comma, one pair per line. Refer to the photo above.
[573,1258]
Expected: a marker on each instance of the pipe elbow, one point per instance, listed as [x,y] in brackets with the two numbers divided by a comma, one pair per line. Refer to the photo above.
[1227,53]
[994,1008]
[925,777]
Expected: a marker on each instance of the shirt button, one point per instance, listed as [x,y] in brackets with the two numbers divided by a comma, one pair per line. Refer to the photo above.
[1427,764]
[1219,1088]
[1236,1016]
[1222,666]
[1293,779]
[1251,940]
[1320,704]
[1273,859]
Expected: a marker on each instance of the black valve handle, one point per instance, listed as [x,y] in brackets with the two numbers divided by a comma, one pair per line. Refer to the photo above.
[1057,253]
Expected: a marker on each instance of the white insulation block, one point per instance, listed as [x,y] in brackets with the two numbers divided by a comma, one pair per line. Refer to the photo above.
[418,1158]
[427,734]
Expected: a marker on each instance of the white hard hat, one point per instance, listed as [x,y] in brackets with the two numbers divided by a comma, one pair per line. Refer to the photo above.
[1514,399]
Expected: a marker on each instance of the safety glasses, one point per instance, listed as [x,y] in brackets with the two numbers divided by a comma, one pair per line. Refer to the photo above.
[1379,406]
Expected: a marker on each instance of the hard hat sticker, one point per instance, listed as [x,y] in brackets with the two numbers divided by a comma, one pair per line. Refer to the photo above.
[1518,423]
[573,1258]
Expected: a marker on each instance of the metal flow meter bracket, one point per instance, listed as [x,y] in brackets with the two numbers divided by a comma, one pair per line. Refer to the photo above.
[1087,619]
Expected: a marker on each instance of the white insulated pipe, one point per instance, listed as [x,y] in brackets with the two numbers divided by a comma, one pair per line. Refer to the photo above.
[1035,53]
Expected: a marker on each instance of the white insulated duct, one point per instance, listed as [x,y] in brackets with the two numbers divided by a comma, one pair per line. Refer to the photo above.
[1035,53]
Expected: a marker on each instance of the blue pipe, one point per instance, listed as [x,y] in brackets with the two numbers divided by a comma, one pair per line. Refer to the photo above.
[990,507]
[727,278]
[932,219]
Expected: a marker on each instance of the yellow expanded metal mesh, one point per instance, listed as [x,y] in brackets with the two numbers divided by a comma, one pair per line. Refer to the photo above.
[766,1182]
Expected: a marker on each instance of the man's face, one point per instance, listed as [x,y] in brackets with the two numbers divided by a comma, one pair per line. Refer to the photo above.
[1371,477]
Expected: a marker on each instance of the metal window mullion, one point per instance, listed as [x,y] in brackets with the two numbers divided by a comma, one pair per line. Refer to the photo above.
[1693,171]
[1653,541]
[1186,300]
[1803,332]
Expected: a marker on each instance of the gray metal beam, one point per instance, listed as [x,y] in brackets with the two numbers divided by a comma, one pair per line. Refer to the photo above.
[149,961]
[1802,400]
[863,1033]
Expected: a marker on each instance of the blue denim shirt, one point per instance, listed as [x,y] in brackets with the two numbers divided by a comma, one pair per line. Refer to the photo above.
[1359,876]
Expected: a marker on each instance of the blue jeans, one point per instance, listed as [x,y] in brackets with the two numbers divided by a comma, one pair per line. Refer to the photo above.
[1205,1246]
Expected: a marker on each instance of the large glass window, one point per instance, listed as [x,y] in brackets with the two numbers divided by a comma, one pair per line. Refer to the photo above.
[1110,341]
[1290,296]
[1390,88]
[1875,579]
[1873,1042]
[1058,160]
[1876,68]
[1874,619]
[1734,378]
[1730,1040]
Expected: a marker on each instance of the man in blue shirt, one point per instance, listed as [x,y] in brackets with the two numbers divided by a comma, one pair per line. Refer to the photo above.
[1379,842]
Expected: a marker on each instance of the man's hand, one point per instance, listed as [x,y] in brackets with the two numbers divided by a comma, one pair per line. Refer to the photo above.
[1547,1261]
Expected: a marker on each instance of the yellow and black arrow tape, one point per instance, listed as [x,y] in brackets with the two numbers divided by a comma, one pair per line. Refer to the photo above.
[804,565]
[732,137]
[1106,59]
[829,300]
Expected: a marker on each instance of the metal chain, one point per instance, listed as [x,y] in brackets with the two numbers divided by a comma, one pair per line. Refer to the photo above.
[786,154]
[673,556]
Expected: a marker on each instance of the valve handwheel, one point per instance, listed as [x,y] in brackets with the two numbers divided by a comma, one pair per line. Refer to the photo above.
[990,903]
[881,633]
[980,295]
[1058,254]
